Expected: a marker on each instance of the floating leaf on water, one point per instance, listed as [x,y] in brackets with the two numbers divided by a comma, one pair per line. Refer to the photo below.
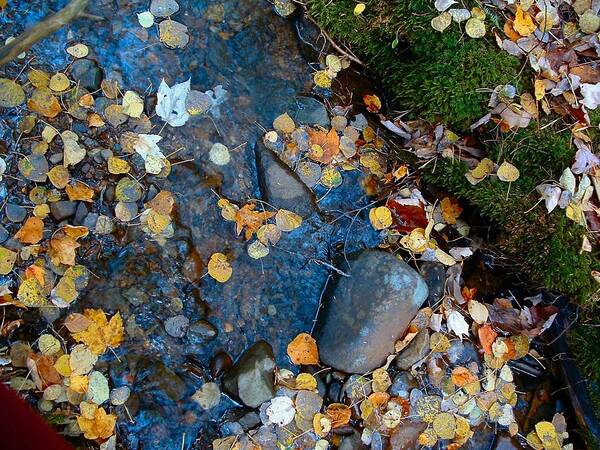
[441,22]
[268,234]
[380,217]
[146,19]
[133,105]
[507,172]
[59,82]
[219,267]
[219,154]
[303,350]
[162,203]
[198,102]
[309,172]
[78,50]
[287,220]
[257,250]
[102,333]
[101,426]
[331,177]
[11,93]
[163,8]
[475,28]
[246,217]
[171,102]
[173,34]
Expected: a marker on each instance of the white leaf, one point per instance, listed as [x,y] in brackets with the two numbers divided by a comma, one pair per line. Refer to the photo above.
[443,5]
[457,324]
[2,168]
[146,146]
[478,312]
[584,161]
[435,322]
[146,19]
[281,411]
[460,253]
[567,181]
[171,103]
[550,194]
[591,95]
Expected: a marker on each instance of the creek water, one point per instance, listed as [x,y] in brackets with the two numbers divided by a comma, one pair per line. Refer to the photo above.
[255,56]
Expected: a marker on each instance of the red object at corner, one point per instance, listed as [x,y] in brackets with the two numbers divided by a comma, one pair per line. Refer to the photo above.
[21,428]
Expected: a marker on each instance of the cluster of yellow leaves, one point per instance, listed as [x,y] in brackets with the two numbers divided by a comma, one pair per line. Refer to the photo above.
[95,423]
[101,333]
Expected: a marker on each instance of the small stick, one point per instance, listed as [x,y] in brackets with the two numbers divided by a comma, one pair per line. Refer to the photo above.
[42,29]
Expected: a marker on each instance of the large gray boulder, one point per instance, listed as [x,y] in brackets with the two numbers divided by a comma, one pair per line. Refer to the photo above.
[281,186]
[365,313]
[252,378]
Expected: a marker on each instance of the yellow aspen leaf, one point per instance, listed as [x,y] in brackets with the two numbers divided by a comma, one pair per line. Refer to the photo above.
[507,172]
[428,438]
[62,366]
[228,209]
[59,82]
[380,217]
[359,9]
[306,381]
[78,50]
[303,350]
[101,333]
[287,220]
[31,232]
[475,28]
[523,23]
[322,79]
[444,425]
[101,426]
[31,293]
[79,383]
[321,424]
[118,166]
[7,260]
[219,267]
[547,434]
[372,102]
[44,102]
[133,105]
[95,120]
[59,177]
[37,272]
[157,222]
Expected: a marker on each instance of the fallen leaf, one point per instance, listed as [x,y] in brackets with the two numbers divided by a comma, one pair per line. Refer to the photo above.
[323,146]
[478,312]
[101,333]
[249,219]
[281,410]
[380,217]
[100,426]
[372,102]
[79,192]
[359,9]
[487,336]
[457,324]
[31,232]
[133,105]
[507,172]
[78,50]
[62,249]
[170,105]
[450,210]
[339,414]
[303,350]
[11,93]
[287,220]
[523,23]
[219,267]
[7,260]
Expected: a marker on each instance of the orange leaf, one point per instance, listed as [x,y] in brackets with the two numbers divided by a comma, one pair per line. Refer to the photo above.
[31,231]
[36,272]
[462,376]
[372,102]
[339,414]
[162,203]
[324,146]
[250,219]
[487,336]
[469,293]
[79,191]
[303,350]
[450,210]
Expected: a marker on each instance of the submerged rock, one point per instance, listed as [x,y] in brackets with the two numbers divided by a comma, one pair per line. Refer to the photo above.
[252,378]
[308,111]
[434,274]
[365,313]
[282,187]
[414,352]
[87,73]
[406,436]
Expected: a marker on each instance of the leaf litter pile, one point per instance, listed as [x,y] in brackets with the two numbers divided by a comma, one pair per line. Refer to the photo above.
[64,197]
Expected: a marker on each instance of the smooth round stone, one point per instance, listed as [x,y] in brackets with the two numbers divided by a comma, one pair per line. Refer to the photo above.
[15,213]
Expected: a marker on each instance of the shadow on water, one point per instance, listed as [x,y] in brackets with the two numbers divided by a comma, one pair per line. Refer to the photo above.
[255,56]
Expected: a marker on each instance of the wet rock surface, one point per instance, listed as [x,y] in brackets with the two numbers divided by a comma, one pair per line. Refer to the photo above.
[414,352]
[365,313]
[281,187]
[252,378]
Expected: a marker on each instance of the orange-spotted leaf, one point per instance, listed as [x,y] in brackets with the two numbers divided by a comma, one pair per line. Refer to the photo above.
[303,350]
